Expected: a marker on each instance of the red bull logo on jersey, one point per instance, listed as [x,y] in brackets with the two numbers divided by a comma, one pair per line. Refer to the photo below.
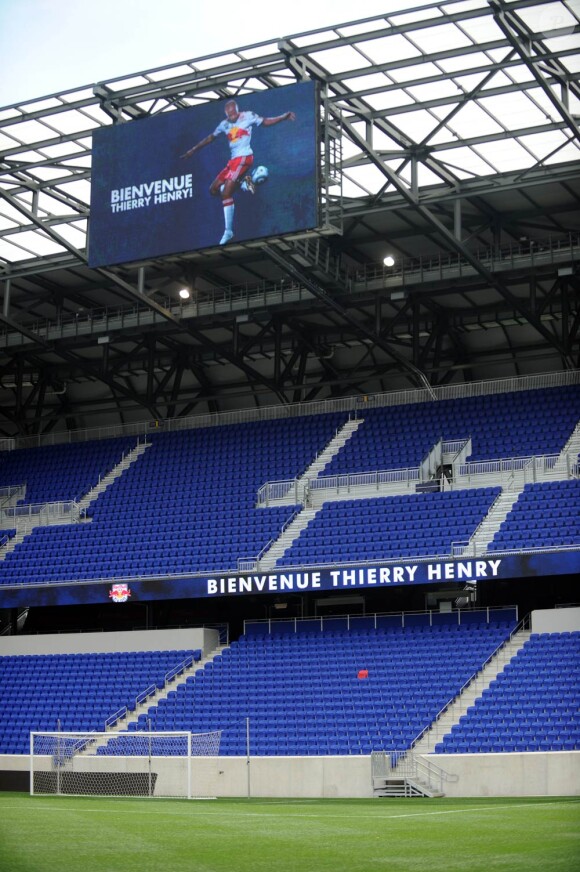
[119,593]
[236,133]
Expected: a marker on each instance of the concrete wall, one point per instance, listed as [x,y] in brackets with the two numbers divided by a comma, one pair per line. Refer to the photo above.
[556,773]
[555,620]
[528,774]
[100,643]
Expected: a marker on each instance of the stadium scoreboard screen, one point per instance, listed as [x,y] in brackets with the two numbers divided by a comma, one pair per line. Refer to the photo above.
[226,171]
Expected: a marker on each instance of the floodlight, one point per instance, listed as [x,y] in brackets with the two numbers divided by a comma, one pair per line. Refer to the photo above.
[184,293]
[389,260]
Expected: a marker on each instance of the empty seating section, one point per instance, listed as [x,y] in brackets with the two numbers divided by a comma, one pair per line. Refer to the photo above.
[545,516]
[302,694]
[61,472]
[78,690]
[186,505]
[500,425]
[377,529]
[533,705]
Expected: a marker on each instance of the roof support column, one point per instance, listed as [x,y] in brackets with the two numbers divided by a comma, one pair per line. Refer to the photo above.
[457,228]
[6,301]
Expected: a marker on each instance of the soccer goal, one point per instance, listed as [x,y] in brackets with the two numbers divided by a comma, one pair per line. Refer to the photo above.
[172,764]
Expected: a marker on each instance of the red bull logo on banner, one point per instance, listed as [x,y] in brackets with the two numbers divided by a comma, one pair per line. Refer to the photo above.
[119,593]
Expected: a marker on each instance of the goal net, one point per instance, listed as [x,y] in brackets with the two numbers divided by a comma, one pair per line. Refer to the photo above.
[173,764]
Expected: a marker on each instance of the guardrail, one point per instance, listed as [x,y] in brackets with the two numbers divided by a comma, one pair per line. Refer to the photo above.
[516,470]
[343,404]
[43,513]
[12,490]
[112,719]
[420,269]
[272,491]
[489,613]
[374,479]
[181,667]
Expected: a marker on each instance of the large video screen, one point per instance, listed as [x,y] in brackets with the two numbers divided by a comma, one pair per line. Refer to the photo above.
[224,172]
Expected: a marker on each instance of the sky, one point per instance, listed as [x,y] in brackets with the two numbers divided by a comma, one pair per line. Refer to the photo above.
[49,46]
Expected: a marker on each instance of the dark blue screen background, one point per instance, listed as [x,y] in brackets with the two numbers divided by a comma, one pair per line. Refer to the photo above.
[145,150]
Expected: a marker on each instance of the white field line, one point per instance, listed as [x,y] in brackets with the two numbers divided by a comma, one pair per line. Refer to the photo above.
[197,813]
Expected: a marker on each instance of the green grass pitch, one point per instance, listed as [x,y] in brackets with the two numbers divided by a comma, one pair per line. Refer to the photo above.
[70,834]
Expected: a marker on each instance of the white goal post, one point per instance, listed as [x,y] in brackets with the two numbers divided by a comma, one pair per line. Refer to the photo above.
[169,764]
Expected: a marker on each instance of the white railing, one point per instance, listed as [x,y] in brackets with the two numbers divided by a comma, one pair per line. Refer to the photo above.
[280,490]
[10,491]
[514,471]
[117,716]
[43,513]
[355,405]
[152,689]
[455,446]
[7,444]
[374,479]
[407,765]
[488,613]
[181,667]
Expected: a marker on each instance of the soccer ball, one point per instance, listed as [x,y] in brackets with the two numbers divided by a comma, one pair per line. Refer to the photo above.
[259,175]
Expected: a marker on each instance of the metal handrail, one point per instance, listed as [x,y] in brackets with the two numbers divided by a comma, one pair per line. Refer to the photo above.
[145,694]
[42,512]
[487,610]
[177,670]
[117,716]
[365,479]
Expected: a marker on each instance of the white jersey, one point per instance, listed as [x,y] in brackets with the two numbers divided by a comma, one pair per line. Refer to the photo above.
[239,133]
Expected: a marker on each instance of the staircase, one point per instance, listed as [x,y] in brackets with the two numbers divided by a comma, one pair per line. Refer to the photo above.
[287,493]
[23,531]
[569,454]
[334,446]
[25,525]
[472,691]
[118,470]
[117,723]
[269,559]
[405,774]
[491,523]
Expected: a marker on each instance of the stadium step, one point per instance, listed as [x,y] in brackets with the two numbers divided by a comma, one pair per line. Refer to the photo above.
[288,493]
[569,454]
[72,512]
[497,514]
[406,774]
[334,446]
[161,693]
[127,460]
[288,537]
[472,691]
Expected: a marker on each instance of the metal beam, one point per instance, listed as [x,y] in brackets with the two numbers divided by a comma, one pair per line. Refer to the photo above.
[523,40]
[286,263]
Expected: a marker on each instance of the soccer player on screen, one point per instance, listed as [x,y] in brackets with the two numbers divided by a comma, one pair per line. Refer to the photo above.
[237,127]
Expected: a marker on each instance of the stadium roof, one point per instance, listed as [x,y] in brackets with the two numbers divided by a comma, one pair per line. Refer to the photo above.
[449,139]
